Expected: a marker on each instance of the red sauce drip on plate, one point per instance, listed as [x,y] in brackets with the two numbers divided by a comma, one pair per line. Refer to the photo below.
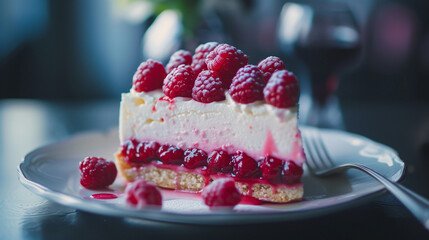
[250,201]
[104,196]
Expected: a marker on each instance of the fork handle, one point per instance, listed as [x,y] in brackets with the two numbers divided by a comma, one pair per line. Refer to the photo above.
[416,204]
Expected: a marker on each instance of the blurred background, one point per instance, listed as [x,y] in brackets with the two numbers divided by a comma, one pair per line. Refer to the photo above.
[90,49]
[345,53]
[363,66]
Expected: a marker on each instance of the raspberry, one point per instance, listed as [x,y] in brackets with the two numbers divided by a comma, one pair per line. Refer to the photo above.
[170,154]
[247,85]
[221,193]
[282,90]
[97,173]
[195,158]
[219,161]
[208,87]
[179,82]
[146,152]
[291,172]
[149,76]
[270,65]
[199,58]
[142,194]
[271,169]
[129,152]
[178,58]
[244,166]
[226,60]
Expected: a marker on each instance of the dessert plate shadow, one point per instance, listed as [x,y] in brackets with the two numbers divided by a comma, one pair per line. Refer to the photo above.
[52,172]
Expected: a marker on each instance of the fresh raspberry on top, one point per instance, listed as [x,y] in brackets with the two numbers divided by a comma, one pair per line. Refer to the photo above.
[219,161]
[247,85]
[149,76]
[97,173]
[244,166]
[221,193]
[271,168]
[291,172]
[270,65]
[178,58]
[199,58]
[208,87]
[226,60]
[143,194]
[179,82]
[282,90]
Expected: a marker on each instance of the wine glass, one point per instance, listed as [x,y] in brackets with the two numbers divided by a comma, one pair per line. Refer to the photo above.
[323,37]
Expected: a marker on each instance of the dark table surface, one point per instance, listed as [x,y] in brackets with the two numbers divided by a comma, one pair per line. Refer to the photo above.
[28,124]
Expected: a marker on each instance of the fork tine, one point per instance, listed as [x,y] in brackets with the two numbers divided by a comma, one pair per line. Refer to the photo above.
[313,160]
[324,151]
[318,157]
[316,149]
[310,162]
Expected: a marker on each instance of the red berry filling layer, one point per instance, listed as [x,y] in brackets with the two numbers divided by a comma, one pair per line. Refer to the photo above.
[237,165]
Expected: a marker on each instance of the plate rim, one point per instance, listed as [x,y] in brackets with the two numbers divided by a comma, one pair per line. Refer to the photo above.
[201,219]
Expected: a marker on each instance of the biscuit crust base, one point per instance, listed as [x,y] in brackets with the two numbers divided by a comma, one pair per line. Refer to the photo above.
[195,182]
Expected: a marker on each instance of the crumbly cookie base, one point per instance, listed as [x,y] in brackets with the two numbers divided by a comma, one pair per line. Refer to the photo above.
[194,182]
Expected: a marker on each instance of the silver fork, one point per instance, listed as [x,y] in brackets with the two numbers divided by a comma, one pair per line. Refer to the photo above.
[320,164]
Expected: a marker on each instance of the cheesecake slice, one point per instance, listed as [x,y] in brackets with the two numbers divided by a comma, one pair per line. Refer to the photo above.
[196,127]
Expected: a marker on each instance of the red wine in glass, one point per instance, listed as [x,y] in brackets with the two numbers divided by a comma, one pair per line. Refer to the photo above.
[325,38]
[323,63]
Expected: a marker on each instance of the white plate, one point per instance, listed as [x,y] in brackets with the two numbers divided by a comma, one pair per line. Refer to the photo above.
[52,172]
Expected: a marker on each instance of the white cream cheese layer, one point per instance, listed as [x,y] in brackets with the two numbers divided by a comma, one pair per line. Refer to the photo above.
[257,129]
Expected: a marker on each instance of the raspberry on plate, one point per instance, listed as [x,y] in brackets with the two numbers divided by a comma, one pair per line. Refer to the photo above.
[149,76]
[221,193]
[178,58]
[179,82]
[244,166]
[282,90]
[199,58]
[143,194]
[97,173]
[208,87]
[270,65]
[247,85]
[226,60]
